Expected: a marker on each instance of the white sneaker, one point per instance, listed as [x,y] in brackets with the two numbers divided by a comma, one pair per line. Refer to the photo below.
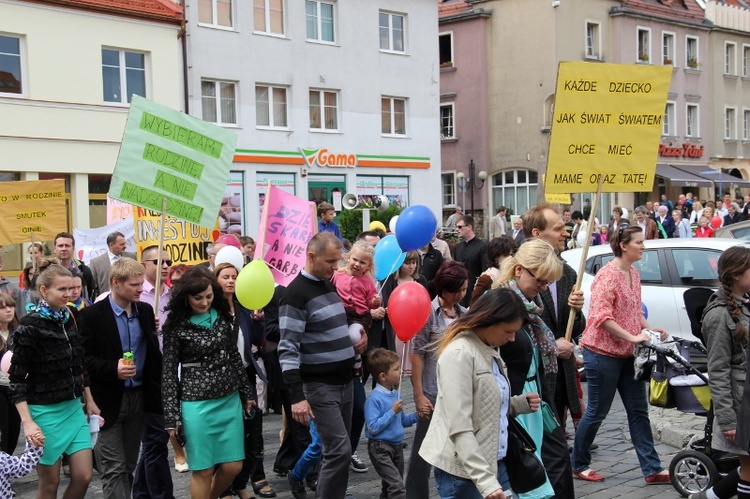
[358,466]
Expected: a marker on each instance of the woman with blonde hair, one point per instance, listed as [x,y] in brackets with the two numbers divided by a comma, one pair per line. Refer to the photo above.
[534,353]
[697,212]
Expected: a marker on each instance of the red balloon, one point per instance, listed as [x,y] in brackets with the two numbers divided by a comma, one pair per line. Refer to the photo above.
[716,222]
[408,309]
[230,240]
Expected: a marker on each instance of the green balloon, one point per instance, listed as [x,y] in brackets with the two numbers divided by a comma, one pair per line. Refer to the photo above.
[254,286]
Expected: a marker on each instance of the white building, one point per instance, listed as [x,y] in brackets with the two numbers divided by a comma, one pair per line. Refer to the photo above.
[327,97]
[67,71]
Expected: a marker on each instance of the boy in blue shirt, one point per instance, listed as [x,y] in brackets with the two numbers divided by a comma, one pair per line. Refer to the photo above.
[385,422]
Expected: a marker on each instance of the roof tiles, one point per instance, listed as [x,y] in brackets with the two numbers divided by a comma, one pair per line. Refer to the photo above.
[161,10]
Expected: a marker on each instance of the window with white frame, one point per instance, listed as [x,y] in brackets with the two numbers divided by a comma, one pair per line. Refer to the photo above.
[447,121]
[216,13]
[730,64]
[592,40]
[644,45]
[392,31]
[268,16]
[219,101]
[270,106]
[123,74]
[668,127]
[449,189]
[730,123]
[324,109]
[746,61]
[10,65]
[319,18]
[746,124]
[667,49]
[691,52]
[393,115]
[692,127]
[445,43]
[515,189]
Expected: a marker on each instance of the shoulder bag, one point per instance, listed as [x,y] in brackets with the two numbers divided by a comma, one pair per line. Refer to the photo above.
[525,469]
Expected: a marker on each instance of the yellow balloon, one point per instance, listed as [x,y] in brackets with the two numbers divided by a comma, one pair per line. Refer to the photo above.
[377,225]
[254,286]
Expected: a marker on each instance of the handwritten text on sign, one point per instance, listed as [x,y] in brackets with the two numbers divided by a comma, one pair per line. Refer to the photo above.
[608,121]
[185,242]
[168,154]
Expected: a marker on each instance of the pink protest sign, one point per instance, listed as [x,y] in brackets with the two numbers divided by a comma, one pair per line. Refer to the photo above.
[288,224]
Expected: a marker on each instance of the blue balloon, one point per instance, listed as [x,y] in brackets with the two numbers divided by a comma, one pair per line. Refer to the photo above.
[645,310]
[415,227]
[388,257]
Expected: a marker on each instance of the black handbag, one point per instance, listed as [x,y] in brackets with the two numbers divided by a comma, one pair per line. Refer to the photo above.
[525,469]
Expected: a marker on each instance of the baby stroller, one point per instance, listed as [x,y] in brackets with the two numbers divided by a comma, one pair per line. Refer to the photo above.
[699,467]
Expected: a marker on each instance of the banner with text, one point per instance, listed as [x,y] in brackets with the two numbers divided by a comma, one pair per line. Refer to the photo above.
[289,222]
[169,154]
[608,121]
[185,242]
[91,243]
[32,209]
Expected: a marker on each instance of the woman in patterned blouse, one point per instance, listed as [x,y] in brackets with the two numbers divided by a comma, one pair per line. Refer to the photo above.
[205,399]
[615,325]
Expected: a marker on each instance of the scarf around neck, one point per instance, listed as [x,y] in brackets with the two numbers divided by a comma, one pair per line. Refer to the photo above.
[46,312]
[542,336]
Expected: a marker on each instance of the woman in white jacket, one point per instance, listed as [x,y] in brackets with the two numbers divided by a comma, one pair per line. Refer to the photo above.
[467,441]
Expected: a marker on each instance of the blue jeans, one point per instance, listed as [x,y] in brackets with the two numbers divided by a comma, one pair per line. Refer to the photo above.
[607,375]
[453,487]
[310,457]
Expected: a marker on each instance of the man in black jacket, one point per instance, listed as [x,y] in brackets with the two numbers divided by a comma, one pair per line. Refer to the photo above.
[124,390]
[64,247]
[472,252]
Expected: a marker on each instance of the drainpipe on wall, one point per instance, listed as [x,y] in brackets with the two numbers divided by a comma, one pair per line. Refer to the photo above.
[183,36]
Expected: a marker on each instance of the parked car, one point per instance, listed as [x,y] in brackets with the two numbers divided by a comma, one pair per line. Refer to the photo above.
[740,230]
[668,268]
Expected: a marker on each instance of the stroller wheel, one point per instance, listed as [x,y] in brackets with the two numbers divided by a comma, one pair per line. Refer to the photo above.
[692,472]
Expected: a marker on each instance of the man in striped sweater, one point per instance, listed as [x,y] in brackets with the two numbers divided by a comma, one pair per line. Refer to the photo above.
[317,358]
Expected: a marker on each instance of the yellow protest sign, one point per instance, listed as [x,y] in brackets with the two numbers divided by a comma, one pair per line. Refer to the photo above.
[608,121]
[556,198]
[185,242]
[35,207]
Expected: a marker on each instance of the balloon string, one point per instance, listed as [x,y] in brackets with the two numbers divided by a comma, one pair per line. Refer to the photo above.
[401,372]
[390,272]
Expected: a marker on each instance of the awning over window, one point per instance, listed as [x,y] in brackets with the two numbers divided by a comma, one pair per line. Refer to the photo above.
[679,178]
[715,176]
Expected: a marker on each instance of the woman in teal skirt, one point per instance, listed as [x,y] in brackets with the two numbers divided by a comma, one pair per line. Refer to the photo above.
[208,397]
[47,381]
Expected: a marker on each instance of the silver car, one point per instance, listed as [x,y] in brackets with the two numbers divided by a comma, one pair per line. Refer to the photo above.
[668,268]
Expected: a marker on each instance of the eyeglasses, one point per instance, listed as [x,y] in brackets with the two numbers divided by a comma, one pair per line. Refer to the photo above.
[460,226]
[538,281]
[155,261]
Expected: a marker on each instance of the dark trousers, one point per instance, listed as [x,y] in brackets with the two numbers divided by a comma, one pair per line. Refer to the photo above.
[358,412]
[10,423]
[153,475]
[556,460]
[418,474]
[388,461]
[252,466]
[296,438]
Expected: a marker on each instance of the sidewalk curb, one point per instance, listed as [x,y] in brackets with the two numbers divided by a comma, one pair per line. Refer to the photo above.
[675,428]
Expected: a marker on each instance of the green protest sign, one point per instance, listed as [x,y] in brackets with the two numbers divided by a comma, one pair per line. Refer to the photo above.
[169,154]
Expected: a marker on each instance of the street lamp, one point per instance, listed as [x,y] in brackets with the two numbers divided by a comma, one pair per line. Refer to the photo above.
[467,184]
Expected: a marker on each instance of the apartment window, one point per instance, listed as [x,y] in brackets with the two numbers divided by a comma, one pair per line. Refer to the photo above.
[393,116]
[691,121]
[746,124]
[270,106]
[324,110]
[123,74]
[447,121]
[592,40]
[515,189]
[445,42]
[667,49]
[668,128]
[219,101]
[268,16]
[746,61]
[730,116]
[391,32]
[729,58]
[11,80]
[319,21]
[215,12]
[449,189]
[644,45]
[691,52]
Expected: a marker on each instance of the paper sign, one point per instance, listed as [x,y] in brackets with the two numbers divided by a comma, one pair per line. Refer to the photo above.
[288,224]
[556,198]
[608,120]
[91,243]
[117,210]
[185,242]
[35,207]
[166,153]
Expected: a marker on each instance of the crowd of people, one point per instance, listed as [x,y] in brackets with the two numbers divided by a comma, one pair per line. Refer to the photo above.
[109,371]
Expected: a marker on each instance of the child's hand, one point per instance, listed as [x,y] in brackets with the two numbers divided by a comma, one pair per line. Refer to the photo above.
[398,406]
[376,301]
